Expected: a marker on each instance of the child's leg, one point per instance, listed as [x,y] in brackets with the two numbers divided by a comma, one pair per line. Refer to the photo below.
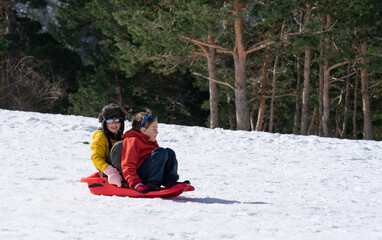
[160,164]
[152,168]
[171,168]
[114,158]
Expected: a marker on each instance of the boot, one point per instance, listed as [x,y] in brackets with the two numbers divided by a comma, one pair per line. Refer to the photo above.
[172,183]
[154,186]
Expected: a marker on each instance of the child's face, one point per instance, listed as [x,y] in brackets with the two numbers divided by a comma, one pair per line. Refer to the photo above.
[151,131]
[114,126]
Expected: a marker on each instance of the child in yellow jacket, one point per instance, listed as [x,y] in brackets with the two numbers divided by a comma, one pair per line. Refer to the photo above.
[112,119]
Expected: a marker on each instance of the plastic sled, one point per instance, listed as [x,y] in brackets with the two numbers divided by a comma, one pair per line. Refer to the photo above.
[100,186]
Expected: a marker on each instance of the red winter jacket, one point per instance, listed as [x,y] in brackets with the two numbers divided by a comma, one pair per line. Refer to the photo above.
[135,150]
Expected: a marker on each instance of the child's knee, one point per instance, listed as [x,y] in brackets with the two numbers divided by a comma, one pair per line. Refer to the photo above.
[160,153]
[170,152]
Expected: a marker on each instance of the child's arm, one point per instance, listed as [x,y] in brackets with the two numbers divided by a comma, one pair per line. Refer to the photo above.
[129,163]
[129,159]
[100,150]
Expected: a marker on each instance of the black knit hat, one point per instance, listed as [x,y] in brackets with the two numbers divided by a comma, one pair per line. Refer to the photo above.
[109,112]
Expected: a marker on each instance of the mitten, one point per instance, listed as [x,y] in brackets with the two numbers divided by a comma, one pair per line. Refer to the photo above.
[113,176]
[138,186]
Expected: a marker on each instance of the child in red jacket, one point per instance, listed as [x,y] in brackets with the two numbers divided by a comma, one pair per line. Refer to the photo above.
[144,165]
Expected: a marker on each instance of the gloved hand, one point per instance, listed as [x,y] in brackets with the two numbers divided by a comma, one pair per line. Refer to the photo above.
[138,186]
[113,176]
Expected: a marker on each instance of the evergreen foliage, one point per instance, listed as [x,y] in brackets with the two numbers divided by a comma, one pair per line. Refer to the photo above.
[36,71]
[155,54]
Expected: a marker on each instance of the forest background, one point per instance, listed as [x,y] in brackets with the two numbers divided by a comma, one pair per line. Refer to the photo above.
[301,67]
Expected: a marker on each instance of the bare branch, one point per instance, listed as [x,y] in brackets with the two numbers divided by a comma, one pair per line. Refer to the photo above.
[195,54]
[337,65]
[283,95]
[214,80]
[375,85]
[340,79]
[293,94]
[197,42]
[204,49]
[259,46]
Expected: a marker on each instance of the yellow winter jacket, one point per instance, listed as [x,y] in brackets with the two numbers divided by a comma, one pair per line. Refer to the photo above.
[100,150]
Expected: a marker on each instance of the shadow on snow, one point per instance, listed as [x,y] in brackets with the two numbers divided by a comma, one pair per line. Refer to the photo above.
[209,200]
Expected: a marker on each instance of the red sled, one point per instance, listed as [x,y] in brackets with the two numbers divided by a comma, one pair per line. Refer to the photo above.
[100,186]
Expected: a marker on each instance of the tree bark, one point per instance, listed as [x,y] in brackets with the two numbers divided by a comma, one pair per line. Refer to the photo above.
[10,22]
[119,94]
[298,83]
[337,119]
[320,132]
[273,93]
[275,68]
[297,109]
[260,116]
[240,57]
[325,90]
[355,105]
[231,114]
[214,122]
[321,82]
[346,107]
[117,85]
[305,93]
[367,125]
[253,110]
[306,90]
[312,121]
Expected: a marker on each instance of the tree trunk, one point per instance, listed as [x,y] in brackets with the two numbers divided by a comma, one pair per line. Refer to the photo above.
[355,105]
[298,84]
[212,85]
[320,98]
[119,94]
[320,92]
[321,82]
[325,89]
[240,57]
[305,93]
[337,132]
[10,22]
[275,68]
[346,107]
[297,111]
[306,90]
[253,110]
[312,121]
[367,125]
[325,98]
[231,114]
[260,116]
[117,85]
[273,93]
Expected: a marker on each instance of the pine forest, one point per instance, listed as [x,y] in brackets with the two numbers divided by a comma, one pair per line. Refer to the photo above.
[293,66]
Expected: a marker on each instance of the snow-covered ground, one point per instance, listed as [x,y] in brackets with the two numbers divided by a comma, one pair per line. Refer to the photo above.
[249,185]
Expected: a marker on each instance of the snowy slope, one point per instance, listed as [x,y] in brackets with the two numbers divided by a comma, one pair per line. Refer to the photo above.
[249,185]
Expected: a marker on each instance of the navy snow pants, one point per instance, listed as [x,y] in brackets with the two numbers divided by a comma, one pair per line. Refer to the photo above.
[161,166]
